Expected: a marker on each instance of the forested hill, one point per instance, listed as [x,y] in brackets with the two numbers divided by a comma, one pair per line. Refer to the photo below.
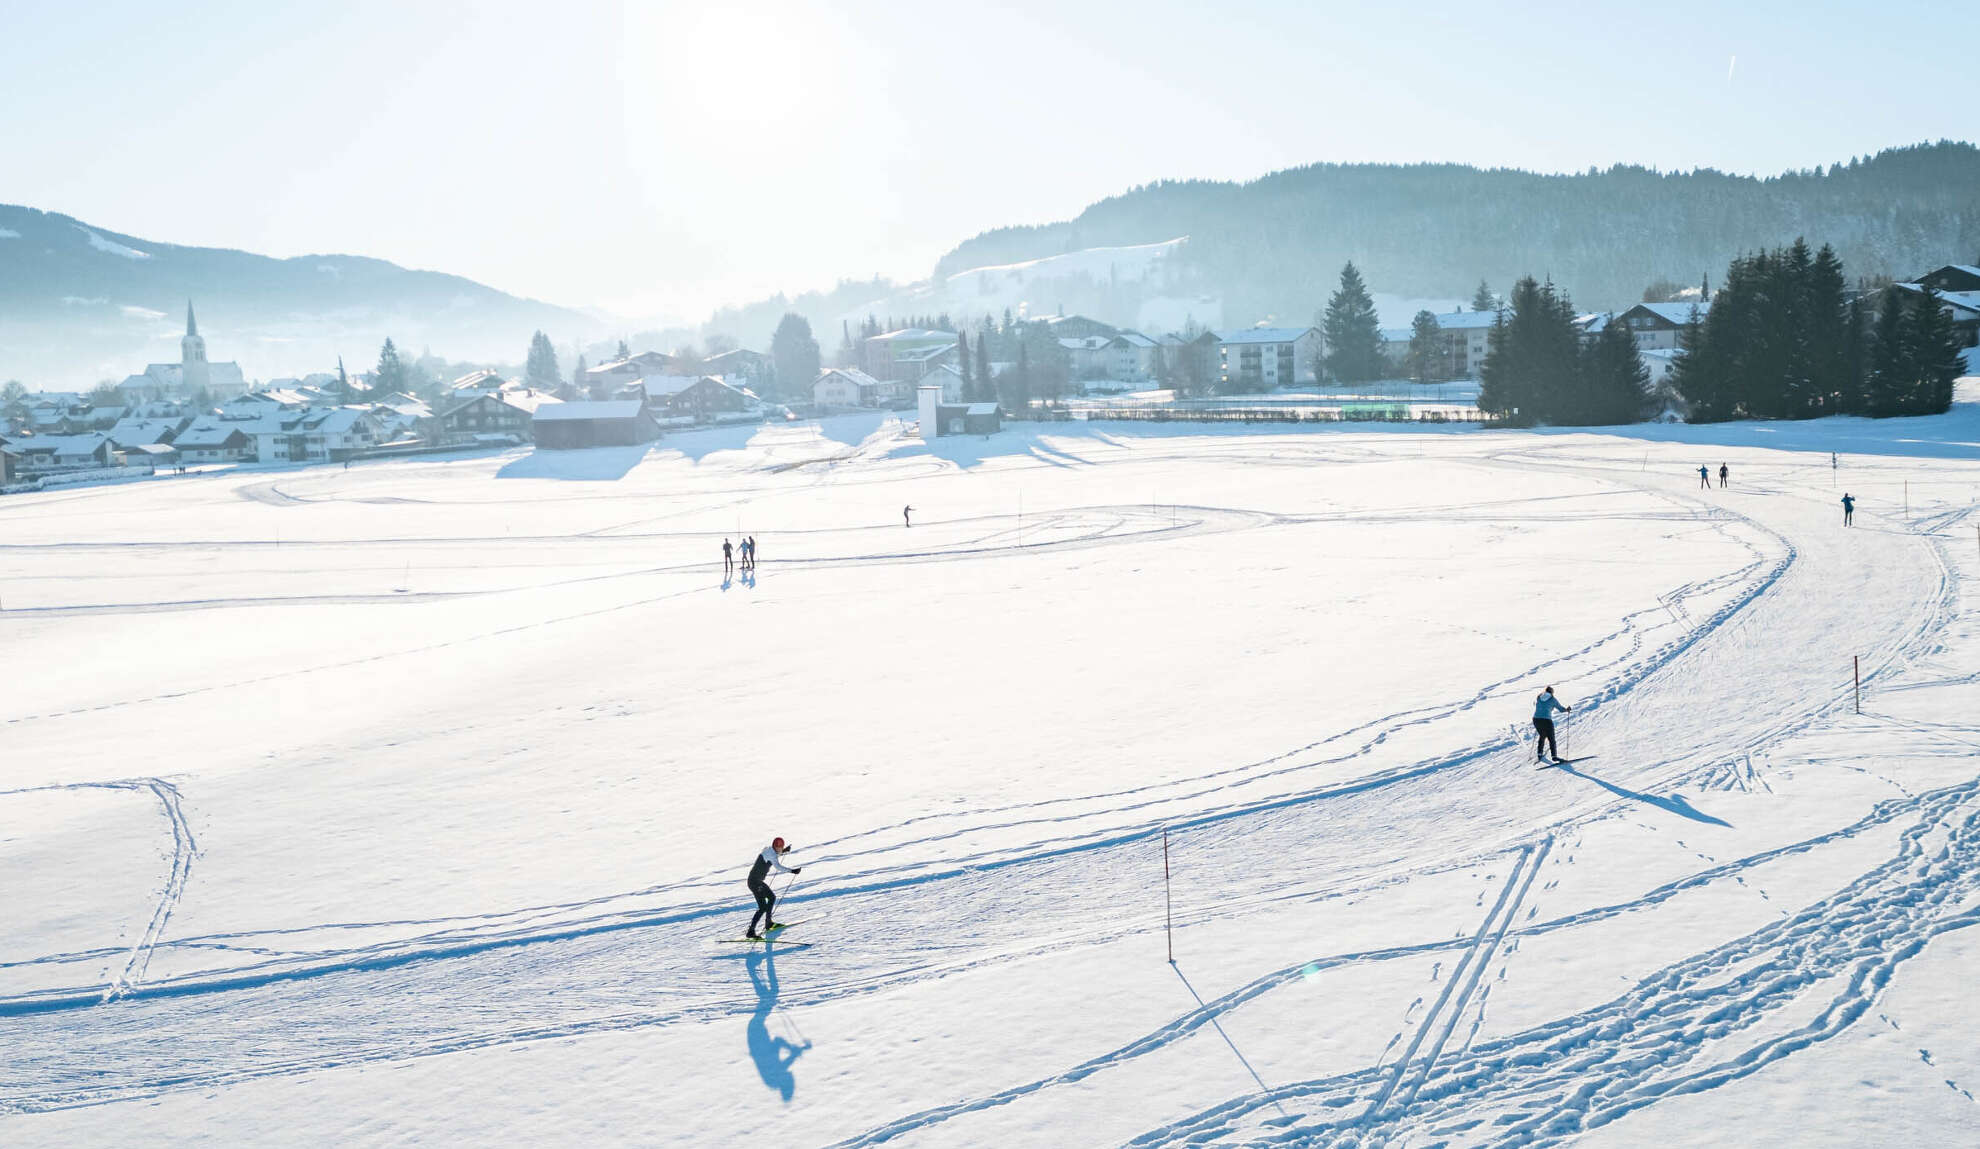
[1274,246]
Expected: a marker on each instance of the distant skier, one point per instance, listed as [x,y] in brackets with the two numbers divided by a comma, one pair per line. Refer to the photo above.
[1722,476]
[1544,709]
[1705,477]
[728,559]
[749,548]
[772,855]
[1849,510]
[905,521]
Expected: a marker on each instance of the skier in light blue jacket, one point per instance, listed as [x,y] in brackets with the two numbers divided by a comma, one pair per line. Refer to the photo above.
[1544,709]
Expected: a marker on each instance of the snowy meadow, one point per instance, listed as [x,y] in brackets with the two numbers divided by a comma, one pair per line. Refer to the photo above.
[414,800]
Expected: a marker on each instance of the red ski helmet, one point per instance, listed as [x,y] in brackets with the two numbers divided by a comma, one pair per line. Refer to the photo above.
[777,844]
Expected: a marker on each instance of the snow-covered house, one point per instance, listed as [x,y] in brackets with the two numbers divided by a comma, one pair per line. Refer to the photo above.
[1088,356]
[1133,357]
[1654,326]
[212,439]
[851,387]
[1958,285]
[1263,357]
[907,354]
[948,379]
[137,431]
[503,413]
[613,377]
[315,434]
[1464,338]
[52,452]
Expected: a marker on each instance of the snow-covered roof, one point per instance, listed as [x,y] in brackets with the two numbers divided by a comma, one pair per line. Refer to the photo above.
[131,432]
[62,444]
[660,386]
[1663,353]
[210,431]
[1085,343]
[1959,301]
[1134,339]
[590,409]
[851,375]
[148,449]
[1263,335]
[1677,314]
[983,408]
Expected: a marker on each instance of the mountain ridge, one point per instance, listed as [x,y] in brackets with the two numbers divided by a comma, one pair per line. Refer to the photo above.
[67,284]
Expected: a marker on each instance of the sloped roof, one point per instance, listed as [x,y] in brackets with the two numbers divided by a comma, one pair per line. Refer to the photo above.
[1263,335]
[62,444]
[590,409]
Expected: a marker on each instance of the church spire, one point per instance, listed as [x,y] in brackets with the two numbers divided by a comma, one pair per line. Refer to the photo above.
[192,328]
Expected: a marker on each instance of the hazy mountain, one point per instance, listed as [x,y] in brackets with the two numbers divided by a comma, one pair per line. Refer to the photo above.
[1275,245]
[80,303]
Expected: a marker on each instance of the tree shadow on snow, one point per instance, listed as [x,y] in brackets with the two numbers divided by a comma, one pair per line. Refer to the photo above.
[773,1055]
[1674,804]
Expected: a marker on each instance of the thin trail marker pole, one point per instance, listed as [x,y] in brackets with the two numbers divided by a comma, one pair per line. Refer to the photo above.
[1907,499]
[1856,670]
[1168,908]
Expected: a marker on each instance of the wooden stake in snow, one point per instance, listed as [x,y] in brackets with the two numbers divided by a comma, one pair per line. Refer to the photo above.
[1168,910]
[1856,669]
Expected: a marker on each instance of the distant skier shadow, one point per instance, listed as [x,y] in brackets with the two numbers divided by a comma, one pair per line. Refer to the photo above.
[1674,804]
[773,1055]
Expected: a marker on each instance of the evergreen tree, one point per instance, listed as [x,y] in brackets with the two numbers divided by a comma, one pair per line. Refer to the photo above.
[1831,345]
[1017,383]
[1533,370]
[1426,349]
[623,353]
[1353,333]
[1931,359]
[391,372]
[1483,299]
[540,368]
[794,354]
[986,385]
[1616,382]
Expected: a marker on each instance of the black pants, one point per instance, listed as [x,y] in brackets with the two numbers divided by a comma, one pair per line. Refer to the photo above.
[1546,744]
[764,900]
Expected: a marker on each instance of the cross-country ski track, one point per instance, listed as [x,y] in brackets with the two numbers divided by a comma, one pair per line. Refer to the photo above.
[1389,928]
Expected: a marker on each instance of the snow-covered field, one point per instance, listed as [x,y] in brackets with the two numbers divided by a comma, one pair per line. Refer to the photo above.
[413,801]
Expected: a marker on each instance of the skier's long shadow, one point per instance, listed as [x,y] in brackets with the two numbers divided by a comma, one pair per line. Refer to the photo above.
[1675,803]
[773,1055]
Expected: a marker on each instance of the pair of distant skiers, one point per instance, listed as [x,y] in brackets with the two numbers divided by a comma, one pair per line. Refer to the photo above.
[1705,476]
[748,555]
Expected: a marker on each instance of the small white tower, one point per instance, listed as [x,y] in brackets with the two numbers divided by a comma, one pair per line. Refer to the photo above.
[193,373]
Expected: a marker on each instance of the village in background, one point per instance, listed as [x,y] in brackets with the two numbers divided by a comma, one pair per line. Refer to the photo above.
[1892,348]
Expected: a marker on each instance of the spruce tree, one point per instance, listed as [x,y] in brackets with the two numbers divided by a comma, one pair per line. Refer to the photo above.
[1426,349]
[1353,333]
[1935,359]
[1886,381]
[1831,346]
[623,353]
[1614,377]
[985,383]
[794,355]
[1483,299]
[540,368]
[391,371]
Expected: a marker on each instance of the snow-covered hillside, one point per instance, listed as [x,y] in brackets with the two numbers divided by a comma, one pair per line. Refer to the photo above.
[414,801]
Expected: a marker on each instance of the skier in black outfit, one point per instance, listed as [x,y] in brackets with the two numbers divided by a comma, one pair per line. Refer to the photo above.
[772,855]
[728,559]
[1544,708]
[1722,475]
[1849,510]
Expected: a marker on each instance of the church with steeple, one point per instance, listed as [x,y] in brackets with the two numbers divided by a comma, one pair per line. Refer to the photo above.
[189,377]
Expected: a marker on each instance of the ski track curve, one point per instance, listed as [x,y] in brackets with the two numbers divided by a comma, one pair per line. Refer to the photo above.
[1698,1023]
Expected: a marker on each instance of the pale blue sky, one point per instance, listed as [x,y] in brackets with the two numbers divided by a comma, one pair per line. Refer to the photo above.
[669,157]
